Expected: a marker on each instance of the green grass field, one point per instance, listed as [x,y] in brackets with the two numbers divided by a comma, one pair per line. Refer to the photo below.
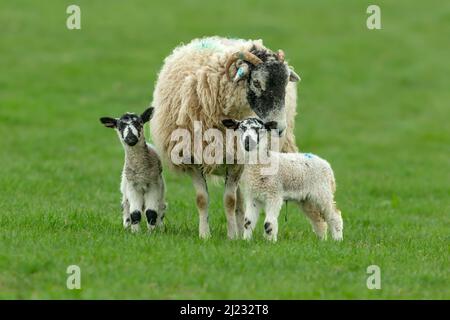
[373,103]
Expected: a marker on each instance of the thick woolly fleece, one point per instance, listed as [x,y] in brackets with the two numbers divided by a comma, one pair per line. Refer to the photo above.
[192,86]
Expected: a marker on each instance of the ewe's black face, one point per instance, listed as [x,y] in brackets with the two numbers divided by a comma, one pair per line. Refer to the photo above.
[266,91]
[130,126]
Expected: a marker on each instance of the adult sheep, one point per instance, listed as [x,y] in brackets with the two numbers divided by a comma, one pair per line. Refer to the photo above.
[194,84]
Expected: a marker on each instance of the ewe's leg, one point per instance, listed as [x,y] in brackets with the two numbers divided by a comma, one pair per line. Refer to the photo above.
[201,189]
[272,208]
[229,198]
[252,208]
[317,222]
[162,214]
[239,211]
[136,200]
[162,204]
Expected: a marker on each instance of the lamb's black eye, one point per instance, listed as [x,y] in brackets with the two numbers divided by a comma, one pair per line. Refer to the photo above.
[257,84]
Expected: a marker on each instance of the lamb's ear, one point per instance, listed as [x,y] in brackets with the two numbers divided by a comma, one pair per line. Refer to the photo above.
[230,123]
[147,115]
[109,122]
[271,125]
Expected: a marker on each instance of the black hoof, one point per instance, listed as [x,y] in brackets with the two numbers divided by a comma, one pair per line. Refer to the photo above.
[151,216]
[268,227]
[135,217]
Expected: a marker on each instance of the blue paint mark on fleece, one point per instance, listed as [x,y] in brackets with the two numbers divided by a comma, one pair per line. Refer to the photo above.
[211,44]
[308,155]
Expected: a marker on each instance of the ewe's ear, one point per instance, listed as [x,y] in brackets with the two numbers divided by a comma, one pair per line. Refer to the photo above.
[147,115]
[271,125]
[109,122]
[230,123]
[294,77]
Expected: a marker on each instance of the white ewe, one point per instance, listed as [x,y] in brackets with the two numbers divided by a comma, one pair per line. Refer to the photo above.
[194,85]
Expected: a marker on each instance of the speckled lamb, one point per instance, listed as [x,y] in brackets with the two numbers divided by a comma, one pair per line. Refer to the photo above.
[303,178]
[142,183]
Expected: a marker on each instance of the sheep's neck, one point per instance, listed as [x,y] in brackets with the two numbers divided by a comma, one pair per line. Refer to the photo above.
[255,156]
[135,155]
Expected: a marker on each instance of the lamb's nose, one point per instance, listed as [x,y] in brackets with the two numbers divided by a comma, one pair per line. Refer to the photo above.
[131,140]
[247,143]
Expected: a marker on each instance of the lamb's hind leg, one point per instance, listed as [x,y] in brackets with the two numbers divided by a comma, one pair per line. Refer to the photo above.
[318,223]
[126,213]
[125,204]
[202,199]
[334,219]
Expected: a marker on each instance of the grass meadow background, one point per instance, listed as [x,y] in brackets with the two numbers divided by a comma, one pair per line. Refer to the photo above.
[374,103]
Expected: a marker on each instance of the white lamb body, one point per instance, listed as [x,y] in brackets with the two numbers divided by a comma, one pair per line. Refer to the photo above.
[299,176]
[305,179]
[192,86]
[302,178]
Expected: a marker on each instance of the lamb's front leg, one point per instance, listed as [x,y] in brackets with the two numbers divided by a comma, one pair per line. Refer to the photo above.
[152,205]
[252,208]
[273,207]
[136,200]
[229,198]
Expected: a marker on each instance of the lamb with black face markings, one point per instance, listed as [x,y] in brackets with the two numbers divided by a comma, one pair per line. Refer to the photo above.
[303,178]
[142,183]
